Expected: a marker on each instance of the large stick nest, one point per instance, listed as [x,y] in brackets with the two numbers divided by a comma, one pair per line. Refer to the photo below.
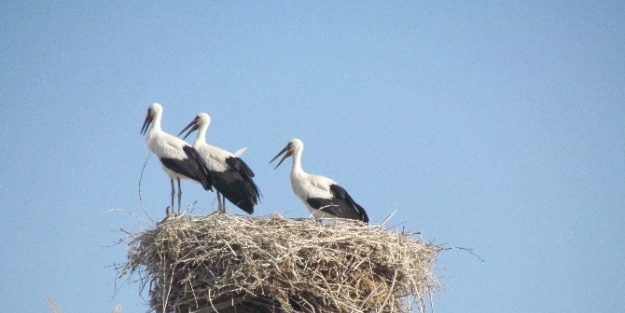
[225,263]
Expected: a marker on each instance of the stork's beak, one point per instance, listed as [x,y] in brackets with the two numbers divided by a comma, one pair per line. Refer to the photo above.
[192,127]
[286,155]
[146,123]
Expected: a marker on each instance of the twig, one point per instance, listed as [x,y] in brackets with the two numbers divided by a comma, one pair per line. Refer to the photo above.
[388,218]
[145,163]
[390,293]
[465,249]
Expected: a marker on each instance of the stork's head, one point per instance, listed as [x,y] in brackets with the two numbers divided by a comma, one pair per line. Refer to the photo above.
[154,110]
[293,146]
[199,121]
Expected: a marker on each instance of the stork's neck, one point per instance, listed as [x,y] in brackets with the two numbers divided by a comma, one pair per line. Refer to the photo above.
[156,122]
[297,170]
[201,135]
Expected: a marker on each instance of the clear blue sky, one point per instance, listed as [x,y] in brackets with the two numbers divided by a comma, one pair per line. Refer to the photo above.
[493,126]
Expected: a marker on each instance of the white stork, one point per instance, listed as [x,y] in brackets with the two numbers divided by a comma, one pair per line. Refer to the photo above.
[321,195]
[179,159]
[231,176]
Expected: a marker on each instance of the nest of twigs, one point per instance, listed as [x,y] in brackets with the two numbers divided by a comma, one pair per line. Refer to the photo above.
[225,263]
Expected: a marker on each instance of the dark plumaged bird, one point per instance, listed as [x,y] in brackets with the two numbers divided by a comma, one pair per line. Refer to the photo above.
[178,159]
[321,195]
[231,176]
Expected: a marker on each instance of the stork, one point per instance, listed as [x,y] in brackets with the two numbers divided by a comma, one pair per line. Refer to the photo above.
[322,196]
[178,159]
[231,176]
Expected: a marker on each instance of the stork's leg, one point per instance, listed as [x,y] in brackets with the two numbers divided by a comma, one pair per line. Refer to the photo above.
[179,195]
[219,203]
[223,204]
[173,192]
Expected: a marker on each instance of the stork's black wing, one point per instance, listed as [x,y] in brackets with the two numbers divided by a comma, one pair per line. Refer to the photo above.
[236,184]
[193,167]
[341,205]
